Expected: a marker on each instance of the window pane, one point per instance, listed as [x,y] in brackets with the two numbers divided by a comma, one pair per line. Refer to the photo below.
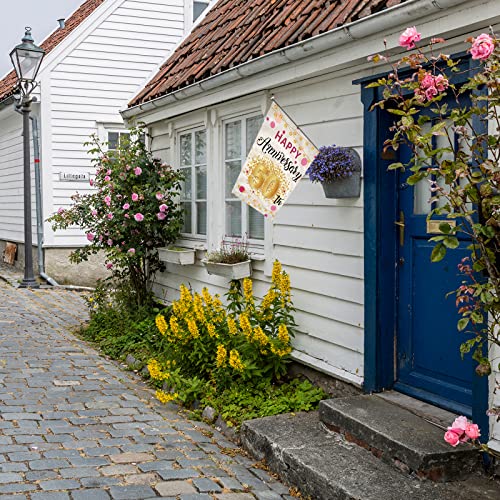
[421,197]
[201,221]
[185,141]
[233,140]
[113,140]
[186,191]
[200,147]
[186,208]
[253,127]
[233,218]
[233,169]
[255,224]
[201,183]
[198,8]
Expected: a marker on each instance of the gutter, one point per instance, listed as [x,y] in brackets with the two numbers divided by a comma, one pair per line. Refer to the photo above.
[356,30]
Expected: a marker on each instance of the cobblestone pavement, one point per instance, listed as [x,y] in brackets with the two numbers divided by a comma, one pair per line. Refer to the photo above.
[74,425]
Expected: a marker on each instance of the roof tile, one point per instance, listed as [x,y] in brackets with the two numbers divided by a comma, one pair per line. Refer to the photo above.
[236,31]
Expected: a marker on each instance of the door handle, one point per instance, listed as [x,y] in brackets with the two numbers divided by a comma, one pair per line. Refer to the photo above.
[401,224]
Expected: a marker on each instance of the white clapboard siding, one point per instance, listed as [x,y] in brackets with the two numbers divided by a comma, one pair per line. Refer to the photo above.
[319,241]
[11,173]
[95,79]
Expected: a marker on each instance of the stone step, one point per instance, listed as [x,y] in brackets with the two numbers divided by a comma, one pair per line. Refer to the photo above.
[398,436]
[324,466]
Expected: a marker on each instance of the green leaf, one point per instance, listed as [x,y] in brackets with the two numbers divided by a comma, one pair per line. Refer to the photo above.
[395,166]
[445,228]
[462,324]
[438,253]
[450,242]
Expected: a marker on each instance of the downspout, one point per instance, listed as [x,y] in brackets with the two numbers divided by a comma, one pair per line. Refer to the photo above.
[39,207]
[38,201]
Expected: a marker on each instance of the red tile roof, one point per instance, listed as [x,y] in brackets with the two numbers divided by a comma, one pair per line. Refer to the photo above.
[7,85]
[237,31]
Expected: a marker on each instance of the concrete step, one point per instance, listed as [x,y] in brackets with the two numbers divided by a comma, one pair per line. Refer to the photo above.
[398,436]
[324,466]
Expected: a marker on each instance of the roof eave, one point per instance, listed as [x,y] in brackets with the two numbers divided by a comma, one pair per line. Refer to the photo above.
[350,32]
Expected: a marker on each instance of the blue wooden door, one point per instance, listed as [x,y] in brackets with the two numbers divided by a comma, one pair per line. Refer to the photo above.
[428,360]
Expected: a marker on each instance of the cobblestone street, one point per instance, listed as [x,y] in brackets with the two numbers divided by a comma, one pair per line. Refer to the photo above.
[74,425]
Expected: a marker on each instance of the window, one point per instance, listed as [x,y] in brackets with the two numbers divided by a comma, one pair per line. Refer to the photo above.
[241,219]
[116,138]
[198,7]
[193,164]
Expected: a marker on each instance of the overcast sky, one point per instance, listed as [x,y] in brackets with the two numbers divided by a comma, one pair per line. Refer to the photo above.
[41,15]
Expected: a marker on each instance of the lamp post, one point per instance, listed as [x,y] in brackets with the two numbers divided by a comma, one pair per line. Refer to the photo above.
[27,58]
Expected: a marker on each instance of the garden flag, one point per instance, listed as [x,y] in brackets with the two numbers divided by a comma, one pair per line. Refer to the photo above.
[279,158]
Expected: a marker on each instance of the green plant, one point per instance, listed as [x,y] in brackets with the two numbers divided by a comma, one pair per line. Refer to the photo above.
[132,211]
[231,251]
[463,169]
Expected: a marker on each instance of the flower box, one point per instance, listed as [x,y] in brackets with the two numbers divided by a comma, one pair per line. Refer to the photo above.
[180,256]
[236,271]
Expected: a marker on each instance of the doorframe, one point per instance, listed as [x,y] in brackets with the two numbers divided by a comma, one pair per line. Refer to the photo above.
[380,249]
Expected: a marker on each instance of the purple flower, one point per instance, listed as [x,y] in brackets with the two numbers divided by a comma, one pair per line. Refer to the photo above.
[331,163]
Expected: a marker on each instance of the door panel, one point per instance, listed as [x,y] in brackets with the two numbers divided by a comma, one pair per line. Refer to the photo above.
[429,364]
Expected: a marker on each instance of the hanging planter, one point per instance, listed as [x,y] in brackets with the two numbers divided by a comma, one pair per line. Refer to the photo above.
[231,260]
[339,171]
[177,255]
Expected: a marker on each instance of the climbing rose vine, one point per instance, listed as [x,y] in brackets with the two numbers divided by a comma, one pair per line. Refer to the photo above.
[433,95]
[132,211]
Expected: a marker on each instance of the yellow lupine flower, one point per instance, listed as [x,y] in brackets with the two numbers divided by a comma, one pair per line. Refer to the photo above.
[161,324]
[235,361]
[174,326]
[211,330]
[165,397]
[193,328]
[285,284]
[206,296]
[276,274]
[221,355]
[248,290]
[268,299]
[245,325]
[283,334]
[281,352]
[259,336]
[198,308]
[231,324]
[155,371]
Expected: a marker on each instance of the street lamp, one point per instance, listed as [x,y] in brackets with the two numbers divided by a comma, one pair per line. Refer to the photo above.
[26,59]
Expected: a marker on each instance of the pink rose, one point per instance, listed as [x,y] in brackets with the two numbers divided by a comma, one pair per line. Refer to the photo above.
[110,216]
[472,431]
[163,207]
[460,423]
[127,216]
[91,182]
[159,196]
[60,210]
[430,93]
[109,265]
[482,47]
[135,196]
[451,438]
[137,170]
[90,236]
[126,206]
[110,242]
[107,200]
[139,217]
[107,178]
[94,212]
[409,37]
[131,250]
[161,215]
[108,172]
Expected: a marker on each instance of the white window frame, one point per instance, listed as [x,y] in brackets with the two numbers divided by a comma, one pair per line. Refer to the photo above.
[193,235]
[189,22]
[254,244]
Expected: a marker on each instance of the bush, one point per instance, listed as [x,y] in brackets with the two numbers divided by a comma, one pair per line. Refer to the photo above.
[133,211]
[241,343]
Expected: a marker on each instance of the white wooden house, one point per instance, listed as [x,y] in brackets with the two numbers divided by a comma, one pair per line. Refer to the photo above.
[95,63]
[203,110]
